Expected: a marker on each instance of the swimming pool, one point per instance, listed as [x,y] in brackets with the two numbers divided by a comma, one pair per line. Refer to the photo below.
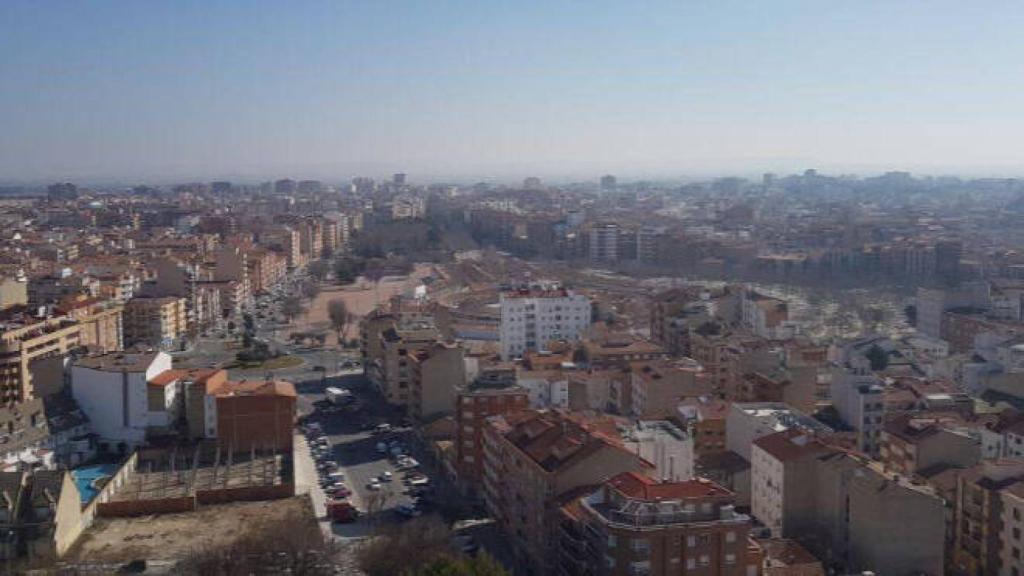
[85,476]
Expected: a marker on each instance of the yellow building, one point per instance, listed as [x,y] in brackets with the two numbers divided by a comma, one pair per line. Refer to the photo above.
[101,322]
[156,322]
[31,352]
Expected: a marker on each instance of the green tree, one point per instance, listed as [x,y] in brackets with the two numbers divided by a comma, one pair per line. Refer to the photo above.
[878,358]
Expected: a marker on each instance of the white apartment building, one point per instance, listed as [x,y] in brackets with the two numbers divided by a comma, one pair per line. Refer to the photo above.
[663,444]
[532,317]
[748,421]
[858,398]
[124,394]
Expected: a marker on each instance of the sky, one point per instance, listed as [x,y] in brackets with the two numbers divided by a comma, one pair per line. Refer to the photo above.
[192,90]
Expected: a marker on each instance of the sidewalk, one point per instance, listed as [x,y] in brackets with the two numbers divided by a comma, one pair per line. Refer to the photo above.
[308,482]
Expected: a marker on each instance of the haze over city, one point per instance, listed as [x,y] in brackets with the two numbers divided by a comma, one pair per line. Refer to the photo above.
[127,91]
[389,288]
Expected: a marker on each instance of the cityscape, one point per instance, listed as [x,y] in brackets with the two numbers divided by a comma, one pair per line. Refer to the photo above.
[412,290]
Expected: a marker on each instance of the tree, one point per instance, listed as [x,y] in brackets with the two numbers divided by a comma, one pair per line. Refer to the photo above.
[878,358]
[911,313]
[337,311]
[291,307]
[318,269]
[310,290]
[247,340]
[481,565]
[394,549]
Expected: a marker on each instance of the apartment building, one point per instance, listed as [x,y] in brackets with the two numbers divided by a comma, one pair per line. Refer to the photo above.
[604,242]
[156,322]
[981,516]
[101,327]
[704,418]
[392,371]
[766,316]
[125,395]
[250,414]
[532,460]
[657,387]
[913,443]
[746,422]
[859,399]
[782,476]
[13,292]
[437,372]
[661,443]
[620,349]
[633,524]
[533,317]
[492,393]
[32,351]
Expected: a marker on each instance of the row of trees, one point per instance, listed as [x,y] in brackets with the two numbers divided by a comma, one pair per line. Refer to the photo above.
[421,547]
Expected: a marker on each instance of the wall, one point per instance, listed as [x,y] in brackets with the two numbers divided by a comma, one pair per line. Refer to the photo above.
[101,396]
[127,508]
[68,517]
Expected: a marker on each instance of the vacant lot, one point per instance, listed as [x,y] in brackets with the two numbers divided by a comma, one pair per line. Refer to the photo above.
[361,299]
[174,536]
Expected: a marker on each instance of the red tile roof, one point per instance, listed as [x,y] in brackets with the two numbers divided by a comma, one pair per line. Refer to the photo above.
[792,444]
[640,487]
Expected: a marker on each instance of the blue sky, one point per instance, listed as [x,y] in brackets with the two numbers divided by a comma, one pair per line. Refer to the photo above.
[248,90]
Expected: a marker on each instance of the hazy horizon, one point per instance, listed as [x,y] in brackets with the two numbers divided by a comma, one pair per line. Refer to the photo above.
[132,92]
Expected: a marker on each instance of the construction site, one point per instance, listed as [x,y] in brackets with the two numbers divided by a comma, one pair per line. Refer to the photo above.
[178,479]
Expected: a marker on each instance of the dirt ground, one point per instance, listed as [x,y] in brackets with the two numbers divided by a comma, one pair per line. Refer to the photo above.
[173,536]
[361,299]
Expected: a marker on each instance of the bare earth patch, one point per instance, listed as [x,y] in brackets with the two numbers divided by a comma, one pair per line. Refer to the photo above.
[174,536]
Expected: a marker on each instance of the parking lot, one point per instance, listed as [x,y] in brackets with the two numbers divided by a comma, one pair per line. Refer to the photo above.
[362,452]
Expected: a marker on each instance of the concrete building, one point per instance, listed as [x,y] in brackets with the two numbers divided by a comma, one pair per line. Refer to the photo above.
[980,517]
[13,292]
[663,444]
[765,316]
[782,476]
[437,372]
[932,304]
[704,419]
[656,388]
[747,422]
[858,398]
[532,460]
[125,395]
[391,371]
[34,351]
[912,444]
[492,393]
[101,326]
[604,242]
[155,322]
[633,525]
[533,317]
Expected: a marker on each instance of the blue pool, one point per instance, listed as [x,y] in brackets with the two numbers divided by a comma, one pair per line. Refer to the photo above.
[85,476]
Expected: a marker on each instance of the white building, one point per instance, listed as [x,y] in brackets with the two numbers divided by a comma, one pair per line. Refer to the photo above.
[532,317]
[663,444]
[124,394]
[858,398]
[546,390]
[748,421]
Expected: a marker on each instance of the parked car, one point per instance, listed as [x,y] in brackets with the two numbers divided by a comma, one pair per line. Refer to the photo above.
[373,485]
[382,448]
[386,476]
[408,510]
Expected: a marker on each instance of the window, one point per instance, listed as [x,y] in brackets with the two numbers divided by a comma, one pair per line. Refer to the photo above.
[691,541]
[730,558]
[1016,533]
[730,537]
[611,540]
[691,563]
[705,560]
